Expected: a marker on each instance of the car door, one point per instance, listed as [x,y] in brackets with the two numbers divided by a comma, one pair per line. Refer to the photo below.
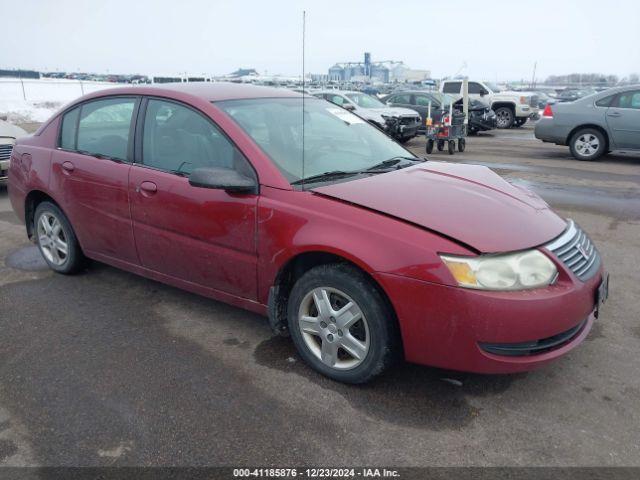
[452,88]
[90,174]
[400,100]
[476,90]
[200,235]
[623,120]
[420,103]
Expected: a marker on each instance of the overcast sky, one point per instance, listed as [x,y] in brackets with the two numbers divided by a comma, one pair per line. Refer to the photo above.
[497,40]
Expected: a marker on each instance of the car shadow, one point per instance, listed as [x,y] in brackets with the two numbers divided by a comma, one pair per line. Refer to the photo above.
[406,395]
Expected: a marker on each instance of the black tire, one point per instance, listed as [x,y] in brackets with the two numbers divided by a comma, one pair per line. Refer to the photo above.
[440,145]
[404,140]
[583,144]
[451,147]
[462,143]
[384,343]
[519,122]
[504,117]
[74,259]
[430,144]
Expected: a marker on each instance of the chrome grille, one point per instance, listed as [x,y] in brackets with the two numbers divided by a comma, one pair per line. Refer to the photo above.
[5,151]
[575,249]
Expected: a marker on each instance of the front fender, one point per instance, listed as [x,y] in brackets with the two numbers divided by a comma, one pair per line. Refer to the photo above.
[291,223]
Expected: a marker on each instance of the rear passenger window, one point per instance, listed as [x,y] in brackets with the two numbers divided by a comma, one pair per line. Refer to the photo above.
[451,87]
[605,102]
[104,127]
[179,140]
[402,99]
[68,129]
[423,101]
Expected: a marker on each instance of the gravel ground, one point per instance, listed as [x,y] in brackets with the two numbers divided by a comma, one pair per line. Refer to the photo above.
[107,368]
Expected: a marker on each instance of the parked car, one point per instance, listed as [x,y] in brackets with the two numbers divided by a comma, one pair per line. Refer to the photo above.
[594,125]
[572,94]
[8,135]
[353,246]
[481,117]
[400,123]
[512,108]
[544,99]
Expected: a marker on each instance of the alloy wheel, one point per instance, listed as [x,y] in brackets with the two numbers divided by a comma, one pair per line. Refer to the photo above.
[587,144]
[503,118]
[52,239]
[334,328]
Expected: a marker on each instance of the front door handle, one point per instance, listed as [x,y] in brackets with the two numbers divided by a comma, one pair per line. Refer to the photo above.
[68,166]
[147,187]
[614,114]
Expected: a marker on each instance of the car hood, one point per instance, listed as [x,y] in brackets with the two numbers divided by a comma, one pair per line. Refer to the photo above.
[8,130]
[468,203]
[393,111]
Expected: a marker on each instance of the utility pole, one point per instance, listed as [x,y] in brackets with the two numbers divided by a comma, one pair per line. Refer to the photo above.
[533,77]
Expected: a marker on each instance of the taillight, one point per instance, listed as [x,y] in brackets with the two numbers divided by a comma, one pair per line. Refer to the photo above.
[547,111]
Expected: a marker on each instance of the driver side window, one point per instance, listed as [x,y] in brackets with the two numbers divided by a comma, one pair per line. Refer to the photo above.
[475,87]
[178,139]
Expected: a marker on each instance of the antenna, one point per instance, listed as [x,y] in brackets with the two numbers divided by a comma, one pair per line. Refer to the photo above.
[304,22]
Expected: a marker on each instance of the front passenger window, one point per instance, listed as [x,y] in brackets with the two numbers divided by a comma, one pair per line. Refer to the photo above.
[178,139]
[629,100]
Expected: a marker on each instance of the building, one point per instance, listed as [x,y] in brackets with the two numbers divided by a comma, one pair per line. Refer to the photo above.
[385,71]
[359,71]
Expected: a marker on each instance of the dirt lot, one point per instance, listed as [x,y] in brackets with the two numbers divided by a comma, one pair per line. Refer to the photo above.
[106,368]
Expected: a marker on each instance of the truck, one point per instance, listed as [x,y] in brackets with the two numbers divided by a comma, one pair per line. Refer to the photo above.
[512,109]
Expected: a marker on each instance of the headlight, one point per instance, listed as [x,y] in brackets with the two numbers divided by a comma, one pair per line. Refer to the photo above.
[514,271]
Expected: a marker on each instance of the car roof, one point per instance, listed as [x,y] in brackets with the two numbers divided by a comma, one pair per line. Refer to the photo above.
[208,91]
[338,92]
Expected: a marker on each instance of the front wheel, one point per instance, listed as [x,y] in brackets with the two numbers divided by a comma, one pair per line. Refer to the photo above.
[451,147]
[430,146]
[341,325]
[56,239]
[462,144]
[440,145]
[587,144]
[504,117]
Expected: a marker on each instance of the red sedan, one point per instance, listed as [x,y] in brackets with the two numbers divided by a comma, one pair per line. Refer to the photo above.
[300,210]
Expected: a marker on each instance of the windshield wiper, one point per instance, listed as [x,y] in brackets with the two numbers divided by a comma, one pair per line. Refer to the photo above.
[324,176]
[391,162]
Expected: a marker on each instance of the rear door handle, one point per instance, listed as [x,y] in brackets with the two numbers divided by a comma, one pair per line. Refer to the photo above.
[148,187]
[68,166]
[614,114]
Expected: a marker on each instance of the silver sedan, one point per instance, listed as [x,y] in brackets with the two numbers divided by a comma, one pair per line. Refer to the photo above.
[594,125]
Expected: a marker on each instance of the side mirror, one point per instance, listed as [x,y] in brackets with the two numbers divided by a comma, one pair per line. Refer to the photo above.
[222,179]
[348,106]
[483,92]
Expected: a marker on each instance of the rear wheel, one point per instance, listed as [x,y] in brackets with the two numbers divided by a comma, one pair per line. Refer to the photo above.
[462,145]
[452,147]
[341,325]
[440,145]
[56,240]
[430,145]
[504,117]
[588,144]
